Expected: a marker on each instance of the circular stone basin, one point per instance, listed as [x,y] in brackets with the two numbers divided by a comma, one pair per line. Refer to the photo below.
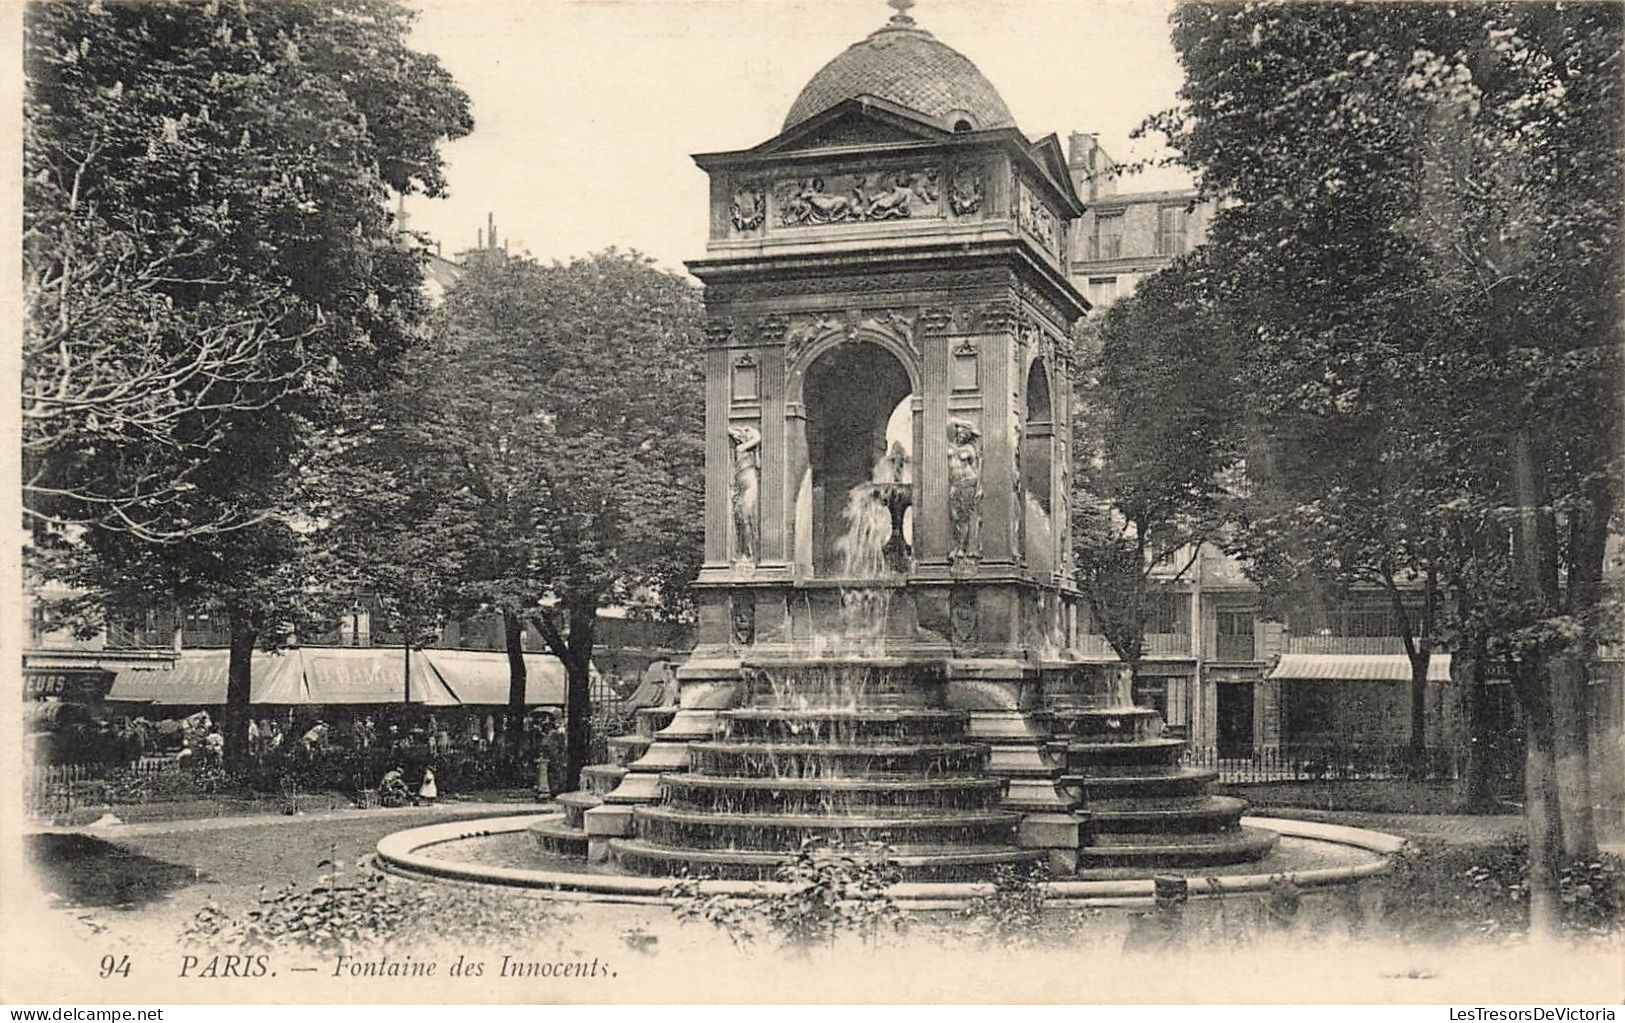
[498,850]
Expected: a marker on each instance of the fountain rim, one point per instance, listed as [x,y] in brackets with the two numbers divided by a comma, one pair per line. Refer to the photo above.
[398,853]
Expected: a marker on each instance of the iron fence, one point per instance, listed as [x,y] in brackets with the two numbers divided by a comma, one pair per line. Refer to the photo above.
[51,790]
[1354,762]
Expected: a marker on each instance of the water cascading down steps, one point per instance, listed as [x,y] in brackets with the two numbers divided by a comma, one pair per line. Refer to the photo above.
[840,753]
[1143,808]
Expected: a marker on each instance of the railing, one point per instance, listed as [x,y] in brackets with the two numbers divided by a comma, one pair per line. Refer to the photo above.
[1352,762]
[1092,644]
[1234,648]
[51,790]
[1344,645]
[131,637]
[1177,644]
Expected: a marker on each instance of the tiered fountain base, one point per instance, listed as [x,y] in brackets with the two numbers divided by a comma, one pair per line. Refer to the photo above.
[1143,809]
[856,752]
[846,755]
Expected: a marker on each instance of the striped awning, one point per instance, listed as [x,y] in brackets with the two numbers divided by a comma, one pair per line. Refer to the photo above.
[1357,667]
[479,677]
[328,676]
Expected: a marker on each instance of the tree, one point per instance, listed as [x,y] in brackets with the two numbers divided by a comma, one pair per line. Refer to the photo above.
[1425,240]
[207,195]
[557,413]
[1154,441]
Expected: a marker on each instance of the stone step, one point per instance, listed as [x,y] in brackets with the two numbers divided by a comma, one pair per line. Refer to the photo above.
[1238,846]
[626,749]
[800,760]
[1212,814]
[575,804]
[844,728]
[1115,724]
[1084,757]
[768,832]
[856,797]
[601,779]
[1164,781]
[650,720]
[963,863]
[556,838]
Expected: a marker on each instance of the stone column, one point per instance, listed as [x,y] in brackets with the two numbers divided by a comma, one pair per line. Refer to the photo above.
[997,356]
[932,534]
[775,460]
[718,458]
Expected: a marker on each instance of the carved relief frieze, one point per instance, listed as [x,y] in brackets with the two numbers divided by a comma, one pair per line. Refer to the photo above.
[719,332]
[804,330]
[770,329]
[1037,219]
[1041,304]
[859,284]
[966,191]
[897,324]
[936,320]
[855,198]
[997,317]
[749,210]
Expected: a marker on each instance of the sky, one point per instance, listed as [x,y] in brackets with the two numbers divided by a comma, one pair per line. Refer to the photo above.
[586,111]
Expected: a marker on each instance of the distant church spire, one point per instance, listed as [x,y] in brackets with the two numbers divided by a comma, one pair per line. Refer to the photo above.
[901,18]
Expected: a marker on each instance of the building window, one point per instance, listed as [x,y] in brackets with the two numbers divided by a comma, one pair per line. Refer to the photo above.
[1167,614]
[1235,636]
[1107,241]
[1102,291]
[1171,231]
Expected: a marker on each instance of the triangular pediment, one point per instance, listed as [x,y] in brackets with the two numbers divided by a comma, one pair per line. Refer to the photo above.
[854,123]
[1049,156]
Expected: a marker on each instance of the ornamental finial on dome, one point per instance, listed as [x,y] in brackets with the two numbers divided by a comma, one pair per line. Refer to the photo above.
[901,18]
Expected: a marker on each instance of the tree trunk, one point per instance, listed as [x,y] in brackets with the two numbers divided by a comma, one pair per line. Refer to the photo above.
[513,635]
[1477,794]
[1419,716]
[239,694]
[1545,836]
[578,707]
[1571,751]
[1541,812]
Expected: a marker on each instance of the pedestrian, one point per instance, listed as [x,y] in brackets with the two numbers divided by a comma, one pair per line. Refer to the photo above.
[427,791]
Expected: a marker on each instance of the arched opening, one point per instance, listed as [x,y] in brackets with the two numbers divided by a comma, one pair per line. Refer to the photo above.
[858,414]
[1037,453]
[962,125]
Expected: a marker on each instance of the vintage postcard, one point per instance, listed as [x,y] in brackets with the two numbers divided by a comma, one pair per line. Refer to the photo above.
[868,501]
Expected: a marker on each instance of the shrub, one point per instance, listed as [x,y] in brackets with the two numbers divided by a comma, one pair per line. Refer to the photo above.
[373,911]
[1442,892]
[832,891]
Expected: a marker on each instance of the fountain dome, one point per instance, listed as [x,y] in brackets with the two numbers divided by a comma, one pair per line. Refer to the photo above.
[906,65]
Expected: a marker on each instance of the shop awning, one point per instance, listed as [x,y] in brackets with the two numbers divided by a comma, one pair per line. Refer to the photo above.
[1357,668]
[197,678]
[328,676]
[343,675]
[480,678]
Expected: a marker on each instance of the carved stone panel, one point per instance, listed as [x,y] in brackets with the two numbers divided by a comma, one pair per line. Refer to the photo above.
[966,190]
[743,619]
[746,379]
[749,210]
[962,616]
[1037,219]
[854,198]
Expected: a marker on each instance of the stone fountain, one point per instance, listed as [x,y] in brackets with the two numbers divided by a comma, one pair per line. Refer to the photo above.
[887,609]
